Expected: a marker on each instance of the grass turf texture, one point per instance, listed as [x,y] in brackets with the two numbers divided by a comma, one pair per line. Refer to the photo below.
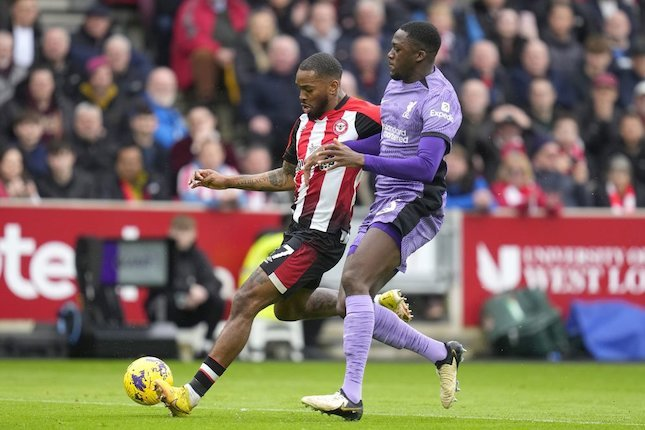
[495,395]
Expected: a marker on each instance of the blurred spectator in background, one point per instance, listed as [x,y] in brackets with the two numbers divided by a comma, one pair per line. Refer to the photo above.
[11,74]
[476,126]
[54,111]
[14,180]
[88,40]
[63,180]
[632,144]
[291,14]
[485,12]
[454,46]
[203,47]
[541,108]
[599,11]
[466,189]
[211,155]
[130,181]
[597,60]
[321,32]
[161,94]
[129,78]
[160,35]
[94,148]
[629,78]
[600,119]
[565,51]
[507,38]
[619,191]
[100,89]
[55,55]
[143,124]
[484,65]
[29,134]
[535,63]
[271,101]
[369,17]
[257,159]
[26,32]
[553,174]
[618,29]
[193,295]
[371,72]
[639,100]
[516,188]
[252,58]
[566,133]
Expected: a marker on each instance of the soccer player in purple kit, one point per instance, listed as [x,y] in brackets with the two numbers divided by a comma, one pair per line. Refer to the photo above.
[420,115]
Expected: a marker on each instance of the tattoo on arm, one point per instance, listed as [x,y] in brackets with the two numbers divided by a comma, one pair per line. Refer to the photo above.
[274,180]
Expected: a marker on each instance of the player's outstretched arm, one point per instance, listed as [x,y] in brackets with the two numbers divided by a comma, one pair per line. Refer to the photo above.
[274,180]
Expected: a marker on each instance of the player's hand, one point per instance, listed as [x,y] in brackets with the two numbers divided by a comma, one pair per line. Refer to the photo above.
[207,178]
[330,157]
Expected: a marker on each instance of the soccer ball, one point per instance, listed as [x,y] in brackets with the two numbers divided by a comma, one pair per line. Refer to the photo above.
[139,377]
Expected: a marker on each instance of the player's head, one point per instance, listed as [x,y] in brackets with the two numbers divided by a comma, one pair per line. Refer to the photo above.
[414,47]
[318,78]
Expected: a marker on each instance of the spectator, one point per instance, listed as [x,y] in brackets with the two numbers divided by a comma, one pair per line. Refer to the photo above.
[485,66]
[11,74]
[566,133]
[618,29]
[565,51]
[619,191]
[629,78]
[257,159]
[63,180]
[485,13]
[89,39]
[252,58]
[639,100]
[14,180]
[600,120]
[193,294]
[632,144]
[597,60]
[454,46]
[321,32]
[466,189]
[211,155]
[270,117]
[541,108]
[367,65]
[476,126]
[160,36]
[507,38]
[54,111]
[55,55]
[291,14]
[95,150]
[143,124]
[369,16]
[130,181]
[516,188]
[599,11]
[101,90]
[29,133]
[553,173]
[202,51]
[26,32]
[536,63]
[161,94]
[129,78]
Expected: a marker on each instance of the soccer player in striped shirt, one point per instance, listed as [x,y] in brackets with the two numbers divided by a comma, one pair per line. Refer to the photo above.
[420,115]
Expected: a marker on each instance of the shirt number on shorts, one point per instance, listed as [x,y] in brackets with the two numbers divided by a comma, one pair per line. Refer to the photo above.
[287,251]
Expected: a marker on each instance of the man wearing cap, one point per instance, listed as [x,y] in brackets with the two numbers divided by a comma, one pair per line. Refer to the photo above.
[89,39]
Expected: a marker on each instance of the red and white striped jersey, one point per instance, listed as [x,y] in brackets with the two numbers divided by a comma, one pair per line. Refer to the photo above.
[326,204]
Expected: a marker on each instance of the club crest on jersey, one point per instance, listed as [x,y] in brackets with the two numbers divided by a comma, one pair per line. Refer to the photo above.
[408,110]
[340,127]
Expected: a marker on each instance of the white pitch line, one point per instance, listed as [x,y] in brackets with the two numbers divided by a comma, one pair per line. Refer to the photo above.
[309,411]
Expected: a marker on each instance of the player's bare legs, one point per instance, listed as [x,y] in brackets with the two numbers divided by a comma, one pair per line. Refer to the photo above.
[255,294]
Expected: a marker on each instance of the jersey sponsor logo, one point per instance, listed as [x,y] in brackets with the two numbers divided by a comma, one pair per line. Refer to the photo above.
[394,134]
[448,117]
[389,208]
[445,107]
[408,110]
[340,127]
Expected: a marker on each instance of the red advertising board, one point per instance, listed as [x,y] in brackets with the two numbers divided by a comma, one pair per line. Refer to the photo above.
[570,258]
[37,259]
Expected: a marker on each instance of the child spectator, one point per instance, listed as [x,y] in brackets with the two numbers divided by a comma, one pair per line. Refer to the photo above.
[29,133]
[619,192]
[63,180]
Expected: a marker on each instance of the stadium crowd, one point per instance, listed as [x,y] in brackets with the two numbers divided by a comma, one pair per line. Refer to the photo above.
[552,92]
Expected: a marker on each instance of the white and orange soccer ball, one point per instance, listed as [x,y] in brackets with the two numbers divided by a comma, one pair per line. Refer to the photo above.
[140,375]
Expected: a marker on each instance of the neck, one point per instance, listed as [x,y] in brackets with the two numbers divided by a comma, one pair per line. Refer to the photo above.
[143,139]
[420,73]
[334,102]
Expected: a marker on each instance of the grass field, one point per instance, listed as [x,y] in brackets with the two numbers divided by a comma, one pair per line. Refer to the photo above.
[495,395]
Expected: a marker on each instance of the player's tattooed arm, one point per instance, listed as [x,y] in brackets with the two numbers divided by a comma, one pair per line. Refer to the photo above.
[274,180]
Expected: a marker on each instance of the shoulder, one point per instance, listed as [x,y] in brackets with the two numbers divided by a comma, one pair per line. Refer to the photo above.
[362,106]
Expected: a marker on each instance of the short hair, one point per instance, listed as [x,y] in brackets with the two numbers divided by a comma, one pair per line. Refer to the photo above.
[183,222]
[597,44]
[425,34]
[323,65]
[58,146]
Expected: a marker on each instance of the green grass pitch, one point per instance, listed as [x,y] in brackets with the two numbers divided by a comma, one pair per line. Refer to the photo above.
[88,394]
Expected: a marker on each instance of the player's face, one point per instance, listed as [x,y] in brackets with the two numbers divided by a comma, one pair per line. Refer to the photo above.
[403,56]
[315,93]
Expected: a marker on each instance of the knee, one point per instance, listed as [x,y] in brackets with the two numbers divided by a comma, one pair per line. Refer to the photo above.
[354,283]
[286,312]
[245,304]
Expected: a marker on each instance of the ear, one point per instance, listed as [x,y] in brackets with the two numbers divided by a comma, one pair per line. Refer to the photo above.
[421,55]
[334,86]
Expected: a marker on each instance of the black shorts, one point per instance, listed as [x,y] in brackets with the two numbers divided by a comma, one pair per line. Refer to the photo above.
[302,259]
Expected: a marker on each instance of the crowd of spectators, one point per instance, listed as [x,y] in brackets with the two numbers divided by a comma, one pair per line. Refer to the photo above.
[552,92]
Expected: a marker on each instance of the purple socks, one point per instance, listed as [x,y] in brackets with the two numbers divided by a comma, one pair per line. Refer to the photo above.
[358,327]
[391,330]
